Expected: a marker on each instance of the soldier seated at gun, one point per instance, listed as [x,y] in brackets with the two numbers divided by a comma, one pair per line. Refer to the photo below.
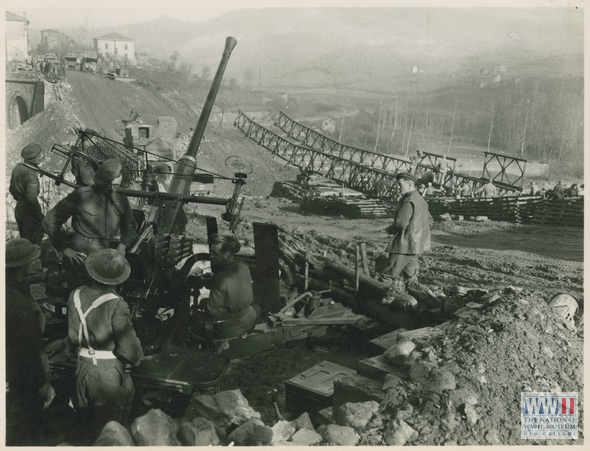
[229,310]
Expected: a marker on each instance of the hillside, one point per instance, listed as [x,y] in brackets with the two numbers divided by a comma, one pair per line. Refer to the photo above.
[325,46]
[99,103]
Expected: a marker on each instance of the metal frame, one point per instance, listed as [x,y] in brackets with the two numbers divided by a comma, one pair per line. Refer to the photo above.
[312,138]
[369,180]
[504,161]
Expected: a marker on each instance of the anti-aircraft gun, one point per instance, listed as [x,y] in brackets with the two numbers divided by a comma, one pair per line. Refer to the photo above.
[156,288]
[160,293]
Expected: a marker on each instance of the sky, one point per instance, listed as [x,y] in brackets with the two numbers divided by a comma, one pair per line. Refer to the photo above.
[73,13]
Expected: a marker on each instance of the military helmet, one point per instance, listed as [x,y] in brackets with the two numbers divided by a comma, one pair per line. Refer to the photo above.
[20,252]
[31,151]
[108,171]
[108,266]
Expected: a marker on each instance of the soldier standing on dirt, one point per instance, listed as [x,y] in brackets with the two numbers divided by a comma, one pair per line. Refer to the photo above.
[98,214]
[410,230]
[24,187]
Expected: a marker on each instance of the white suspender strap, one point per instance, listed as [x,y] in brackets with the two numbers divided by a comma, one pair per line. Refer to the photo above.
[83,325]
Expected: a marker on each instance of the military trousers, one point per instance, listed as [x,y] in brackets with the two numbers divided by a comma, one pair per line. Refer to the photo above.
[28,218]
[404,264]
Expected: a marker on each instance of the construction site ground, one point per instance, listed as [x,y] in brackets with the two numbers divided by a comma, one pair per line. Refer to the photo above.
[543,261]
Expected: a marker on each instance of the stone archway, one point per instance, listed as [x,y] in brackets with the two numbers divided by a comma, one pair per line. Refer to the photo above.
[18,113]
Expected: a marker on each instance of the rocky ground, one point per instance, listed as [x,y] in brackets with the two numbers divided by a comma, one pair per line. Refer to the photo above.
[485,359]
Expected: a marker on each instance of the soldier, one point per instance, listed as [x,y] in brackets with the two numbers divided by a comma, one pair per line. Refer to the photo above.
[99,324]
[98,214]
[229,310]
[84,170]
[24,187]
[27,367]
[410,230]
[488,189]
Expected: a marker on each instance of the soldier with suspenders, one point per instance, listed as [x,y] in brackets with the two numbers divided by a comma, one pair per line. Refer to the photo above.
[99,324]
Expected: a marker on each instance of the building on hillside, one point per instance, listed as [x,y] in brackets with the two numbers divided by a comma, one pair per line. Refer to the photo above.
[117,45]
[17,37]
[329,125]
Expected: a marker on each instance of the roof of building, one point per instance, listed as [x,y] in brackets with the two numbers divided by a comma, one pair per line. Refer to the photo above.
[14,17]
[116,36]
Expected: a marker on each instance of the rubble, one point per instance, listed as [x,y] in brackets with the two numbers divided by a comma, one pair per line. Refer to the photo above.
[306,437]
[225,409]
[113,434]
[338,435]
[198,432]
[155,428]
[251,433]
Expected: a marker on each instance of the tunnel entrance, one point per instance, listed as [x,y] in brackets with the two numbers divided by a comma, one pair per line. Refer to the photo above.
[18,113]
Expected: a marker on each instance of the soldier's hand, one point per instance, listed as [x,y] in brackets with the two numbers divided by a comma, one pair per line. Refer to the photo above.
[121,249]
[47,394]
[73,256]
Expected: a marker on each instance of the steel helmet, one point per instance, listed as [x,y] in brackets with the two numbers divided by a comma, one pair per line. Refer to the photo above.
[108,171]
[565,306]
[20,252]
[108,266]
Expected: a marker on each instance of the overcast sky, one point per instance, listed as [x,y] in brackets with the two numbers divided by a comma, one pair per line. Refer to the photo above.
[103,13]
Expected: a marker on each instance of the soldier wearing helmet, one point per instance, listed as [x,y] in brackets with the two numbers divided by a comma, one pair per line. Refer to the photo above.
[27,367]
[98,215]
[99,325]
[24,187]
[84,170]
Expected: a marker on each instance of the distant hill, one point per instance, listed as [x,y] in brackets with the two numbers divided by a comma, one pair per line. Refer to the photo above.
[327,46]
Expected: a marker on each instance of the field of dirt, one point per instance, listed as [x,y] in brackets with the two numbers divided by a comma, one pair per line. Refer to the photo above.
[542,261]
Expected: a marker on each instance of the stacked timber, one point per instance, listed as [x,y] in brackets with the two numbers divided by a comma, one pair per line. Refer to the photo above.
[348,208]
[323,196]
[568,211]
[527,210]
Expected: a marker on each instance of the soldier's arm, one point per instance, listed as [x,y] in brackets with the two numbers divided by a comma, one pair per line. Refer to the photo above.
[128,225]
[216,302]
[32,189]
[57,217]
[403,217]
[127,345]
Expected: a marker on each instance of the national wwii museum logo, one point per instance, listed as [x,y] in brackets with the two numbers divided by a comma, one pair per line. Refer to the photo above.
[549,415]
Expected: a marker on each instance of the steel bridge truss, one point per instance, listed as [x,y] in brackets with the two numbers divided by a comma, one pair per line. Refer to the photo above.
[312,138]
[369,180]
[309,137]
[502,177]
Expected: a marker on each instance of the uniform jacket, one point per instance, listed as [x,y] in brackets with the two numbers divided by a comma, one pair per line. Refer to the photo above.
[27,367]
[231,289]
[94,215]
[109,326]
[24,185]
[411,227]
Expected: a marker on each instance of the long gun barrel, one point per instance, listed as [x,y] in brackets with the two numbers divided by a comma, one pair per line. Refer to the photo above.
[185,168]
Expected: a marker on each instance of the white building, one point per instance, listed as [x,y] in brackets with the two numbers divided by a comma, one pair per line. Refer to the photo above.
[17,37]
[122,47]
